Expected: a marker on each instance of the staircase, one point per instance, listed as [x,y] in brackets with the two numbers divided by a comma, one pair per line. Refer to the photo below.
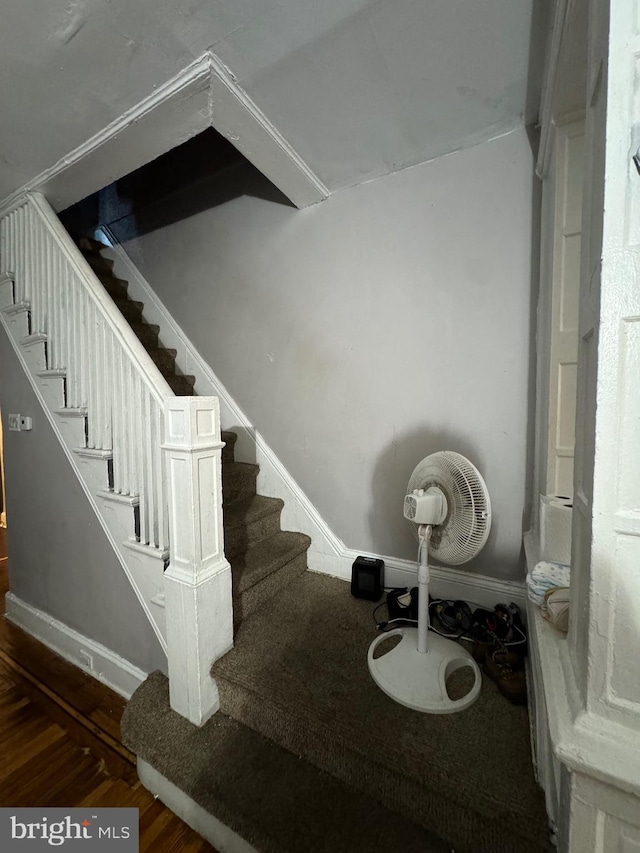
[305,754]
[263,557]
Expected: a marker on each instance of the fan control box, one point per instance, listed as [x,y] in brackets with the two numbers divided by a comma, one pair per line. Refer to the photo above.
[367,578]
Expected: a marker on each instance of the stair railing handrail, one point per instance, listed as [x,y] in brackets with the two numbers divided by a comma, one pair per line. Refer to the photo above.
[108,372]
[154,380]
[164,450]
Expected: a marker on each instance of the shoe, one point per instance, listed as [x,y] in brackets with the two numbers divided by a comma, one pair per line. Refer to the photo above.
[506,669]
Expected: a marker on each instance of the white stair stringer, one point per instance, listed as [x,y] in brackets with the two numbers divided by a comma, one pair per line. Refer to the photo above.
[143,565]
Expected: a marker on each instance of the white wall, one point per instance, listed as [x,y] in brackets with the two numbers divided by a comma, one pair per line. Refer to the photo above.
[60,560]
[361,334]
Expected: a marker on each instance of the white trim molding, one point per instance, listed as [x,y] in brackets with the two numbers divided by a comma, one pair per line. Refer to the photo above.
[202,95]
[328,554]
[88,655]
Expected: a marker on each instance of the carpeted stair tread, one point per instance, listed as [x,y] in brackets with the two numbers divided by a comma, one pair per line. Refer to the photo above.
[90,244]
[239,479]
[276,801]
[250,509]
[115,287]
[98,263]
[182,386]
[228,451]
[129,308]
[298,674]
[267,557]
[265,569]
[147,334]
[247,521]
[164,359]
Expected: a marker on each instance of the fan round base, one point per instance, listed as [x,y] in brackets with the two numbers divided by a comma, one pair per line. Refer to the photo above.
[417,680]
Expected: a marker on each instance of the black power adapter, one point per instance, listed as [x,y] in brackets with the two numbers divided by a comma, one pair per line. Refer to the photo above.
[402,603]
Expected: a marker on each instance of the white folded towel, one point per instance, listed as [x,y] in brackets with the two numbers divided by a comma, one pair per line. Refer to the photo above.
[544,576]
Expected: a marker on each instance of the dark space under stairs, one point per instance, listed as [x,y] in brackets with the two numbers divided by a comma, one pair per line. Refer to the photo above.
[306,755]
[263,557]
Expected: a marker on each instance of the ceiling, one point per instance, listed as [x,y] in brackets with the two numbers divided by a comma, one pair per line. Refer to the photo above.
[359,88]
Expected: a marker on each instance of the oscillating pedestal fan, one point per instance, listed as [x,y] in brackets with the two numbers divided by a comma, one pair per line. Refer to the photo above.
[448,500]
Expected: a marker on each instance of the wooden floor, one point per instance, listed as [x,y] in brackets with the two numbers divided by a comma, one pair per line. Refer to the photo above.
[61,740]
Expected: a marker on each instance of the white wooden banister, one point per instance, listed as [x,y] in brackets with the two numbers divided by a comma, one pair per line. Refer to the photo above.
[112,408]
[198,579]
[121,330]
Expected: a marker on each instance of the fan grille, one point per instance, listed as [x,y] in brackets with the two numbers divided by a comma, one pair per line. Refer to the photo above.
[466,527]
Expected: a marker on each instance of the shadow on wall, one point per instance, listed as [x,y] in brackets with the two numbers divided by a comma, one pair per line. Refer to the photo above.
[389,487]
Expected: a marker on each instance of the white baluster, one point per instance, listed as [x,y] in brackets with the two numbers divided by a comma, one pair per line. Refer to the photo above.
[91,376]
[161,481]
[60,309]
[13,243]
[4,245]
[198,579]
[117,420]
[36,276]
[22,250]
[142,474]
[101,379]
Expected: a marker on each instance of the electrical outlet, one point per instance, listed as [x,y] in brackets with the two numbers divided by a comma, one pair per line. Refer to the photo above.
[25,423]
[14,423]
[86,659]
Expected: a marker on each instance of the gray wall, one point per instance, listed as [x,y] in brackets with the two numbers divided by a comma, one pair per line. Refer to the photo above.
[362,334]
[59,558]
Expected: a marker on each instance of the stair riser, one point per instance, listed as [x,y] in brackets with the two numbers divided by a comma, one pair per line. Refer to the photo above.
[99,264]
[120,518]
[115,289]
[52,389]
[6,294]
[228,451]
[182,386]
[148,576]
[94,473]
[35,355]
[250,601]
[72,430]
[131,311]
[240,537]
[18,324]
[164,360]
[147,336]
[237,484]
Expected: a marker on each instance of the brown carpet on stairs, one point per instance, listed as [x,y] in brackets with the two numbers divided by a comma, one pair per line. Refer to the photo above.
[298,675]
[275,800]
[308,754]
[262,556]
[181,385]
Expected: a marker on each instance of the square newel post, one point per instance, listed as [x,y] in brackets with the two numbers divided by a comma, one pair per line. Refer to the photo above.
[197,581]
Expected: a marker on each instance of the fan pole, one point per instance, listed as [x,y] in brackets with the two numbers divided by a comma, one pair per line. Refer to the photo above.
[424,532]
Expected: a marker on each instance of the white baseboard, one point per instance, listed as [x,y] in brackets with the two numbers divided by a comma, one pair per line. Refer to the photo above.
[327,554]
[224,839]
[446,582]
[88,655]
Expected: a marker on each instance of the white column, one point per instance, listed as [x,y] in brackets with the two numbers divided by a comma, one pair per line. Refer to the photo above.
[198,579]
